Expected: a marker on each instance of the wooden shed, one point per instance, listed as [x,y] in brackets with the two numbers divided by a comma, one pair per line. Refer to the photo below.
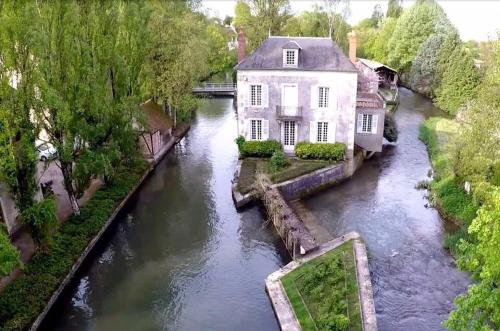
[157,129]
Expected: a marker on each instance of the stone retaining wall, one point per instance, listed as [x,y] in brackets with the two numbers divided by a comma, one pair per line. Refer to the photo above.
[320,179]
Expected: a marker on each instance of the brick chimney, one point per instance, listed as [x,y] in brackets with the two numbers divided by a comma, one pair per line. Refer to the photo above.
[242,45]
[352,46]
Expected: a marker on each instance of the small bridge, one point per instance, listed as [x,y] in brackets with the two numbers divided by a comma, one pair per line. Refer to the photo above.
[224,89]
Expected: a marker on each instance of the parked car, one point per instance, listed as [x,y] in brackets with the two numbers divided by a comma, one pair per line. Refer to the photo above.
[46,152]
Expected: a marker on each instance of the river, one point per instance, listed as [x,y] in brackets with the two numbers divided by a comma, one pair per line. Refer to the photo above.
[182,258]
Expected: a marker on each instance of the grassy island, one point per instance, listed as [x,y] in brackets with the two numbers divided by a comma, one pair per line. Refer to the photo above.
[323,292]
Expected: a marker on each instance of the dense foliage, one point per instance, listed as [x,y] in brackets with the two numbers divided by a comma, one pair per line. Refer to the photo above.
[23,300]
[390,128]
[9,255]
[320,151]
[264,148]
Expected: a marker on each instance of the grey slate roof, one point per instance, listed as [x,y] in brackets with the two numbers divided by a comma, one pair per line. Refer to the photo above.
[316,54]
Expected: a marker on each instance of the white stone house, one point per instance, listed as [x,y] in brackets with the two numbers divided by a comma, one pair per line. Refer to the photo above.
[294,89]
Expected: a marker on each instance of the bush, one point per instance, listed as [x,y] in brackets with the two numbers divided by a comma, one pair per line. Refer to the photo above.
[9,255]
[390,129]
[278,161]
[320,151]
[22,300]
[265,148]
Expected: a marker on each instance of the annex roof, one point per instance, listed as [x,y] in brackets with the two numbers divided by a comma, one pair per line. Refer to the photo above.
[315,53]
[155,118]
[374,65]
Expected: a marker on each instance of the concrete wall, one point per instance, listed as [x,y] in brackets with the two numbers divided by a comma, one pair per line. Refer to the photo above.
[371,141]
[341,113]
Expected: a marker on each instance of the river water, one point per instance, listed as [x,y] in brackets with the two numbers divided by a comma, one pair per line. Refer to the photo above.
[182,258]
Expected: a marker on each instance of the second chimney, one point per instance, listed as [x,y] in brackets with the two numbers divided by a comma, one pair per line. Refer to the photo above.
[242,46]
[352,46]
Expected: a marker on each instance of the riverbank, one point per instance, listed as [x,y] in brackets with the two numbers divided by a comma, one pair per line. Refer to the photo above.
[447,195]
[46,276]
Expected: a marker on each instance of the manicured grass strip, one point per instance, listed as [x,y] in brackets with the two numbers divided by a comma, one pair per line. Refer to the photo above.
[23,300]
[324,292]
[247,175]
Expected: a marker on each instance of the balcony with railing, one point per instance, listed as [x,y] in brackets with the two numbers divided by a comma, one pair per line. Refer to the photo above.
[288,112]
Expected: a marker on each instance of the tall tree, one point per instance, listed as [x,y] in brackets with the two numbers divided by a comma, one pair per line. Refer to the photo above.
[412,29]
[394,8]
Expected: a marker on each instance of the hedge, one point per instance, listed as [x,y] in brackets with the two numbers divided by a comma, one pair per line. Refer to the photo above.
[320,151]
[24,299]
[264,148]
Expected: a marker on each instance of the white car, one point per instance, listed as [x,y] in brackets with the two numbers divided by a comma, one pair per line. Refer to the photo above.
[46,152]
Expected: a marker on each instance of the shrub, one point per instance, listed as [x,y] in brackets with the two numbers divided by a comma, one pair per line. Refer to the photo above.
[320,151]
[264,148]
[390,129]
[9,255]
[278,161]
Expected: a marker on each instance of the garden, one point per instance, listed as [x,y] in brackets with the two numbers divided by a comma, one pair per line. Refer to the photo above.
[268,157]
[323,292]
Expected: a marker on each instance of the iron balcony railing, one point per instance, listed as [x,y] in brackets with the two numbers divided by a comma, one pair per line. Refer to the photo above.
[288,112]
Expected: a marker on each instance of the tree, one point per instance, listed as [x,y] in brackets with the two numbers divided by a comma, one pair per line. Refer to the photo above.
[228,20]
[459,81]
[412,29]
[394,8]
[19,100]
[426,74]
[378,50]
[377,15]
[177,55]
[219,57]
[477,161]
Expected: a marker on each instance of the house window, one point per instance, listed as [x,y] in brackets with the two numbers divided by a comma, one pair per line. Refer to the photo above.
[323,97]
[256,95]
[322,133]
[290,58]
[255,129]
[367,123]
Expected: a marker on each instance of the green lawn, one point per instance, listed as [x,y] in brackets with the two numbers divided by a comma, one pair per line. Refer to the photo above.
[296,168]
[324,291]
[438,134]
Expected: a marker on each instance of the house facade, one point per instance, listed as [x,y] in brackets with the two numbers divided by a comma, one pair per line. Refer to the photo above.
[304,89]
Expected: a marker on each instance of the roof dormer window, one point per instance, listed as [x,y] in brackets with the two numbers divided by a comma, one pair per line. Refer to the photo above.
[290,57]
[291,54]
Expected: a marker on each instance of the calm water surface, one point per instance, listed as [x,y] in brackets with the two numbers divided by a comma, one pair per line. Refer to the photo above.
[182,258]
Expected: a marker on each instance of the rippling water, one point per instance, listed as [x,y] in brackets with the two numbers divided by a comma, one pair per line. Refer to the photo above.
[414,278]
[182,258]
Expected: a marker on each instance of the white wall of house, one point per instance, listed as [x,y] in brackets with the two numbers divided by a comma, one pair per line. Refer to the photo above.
[339,113]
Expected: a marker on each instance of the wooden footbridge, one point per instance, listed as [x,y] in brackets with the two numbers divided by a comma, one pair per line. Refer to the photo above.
[215,89]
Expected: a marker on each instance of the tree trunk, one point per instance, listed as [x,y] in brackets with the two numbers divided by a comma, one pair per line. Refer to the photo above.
[66,169]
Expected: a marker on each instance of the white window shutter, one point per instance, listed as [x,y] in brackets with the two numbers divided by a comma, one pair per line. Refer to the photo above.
[247,96]
[314,97]
[360,123]
[265,129]
[247,129]
[374,124]
[332,99]
[284,57]
[331,132]
[265,96]
[313,131]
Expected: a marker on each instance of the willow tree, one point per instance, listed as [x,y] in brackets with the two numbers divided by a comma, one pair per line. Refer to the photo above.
[18,130]
[89,87]
[177,55]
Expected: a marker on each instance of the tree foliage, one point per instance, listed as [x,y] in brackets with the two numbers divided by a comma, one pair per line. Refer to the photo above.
[459,81]
[394,9]
[413,27]
[477,161]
